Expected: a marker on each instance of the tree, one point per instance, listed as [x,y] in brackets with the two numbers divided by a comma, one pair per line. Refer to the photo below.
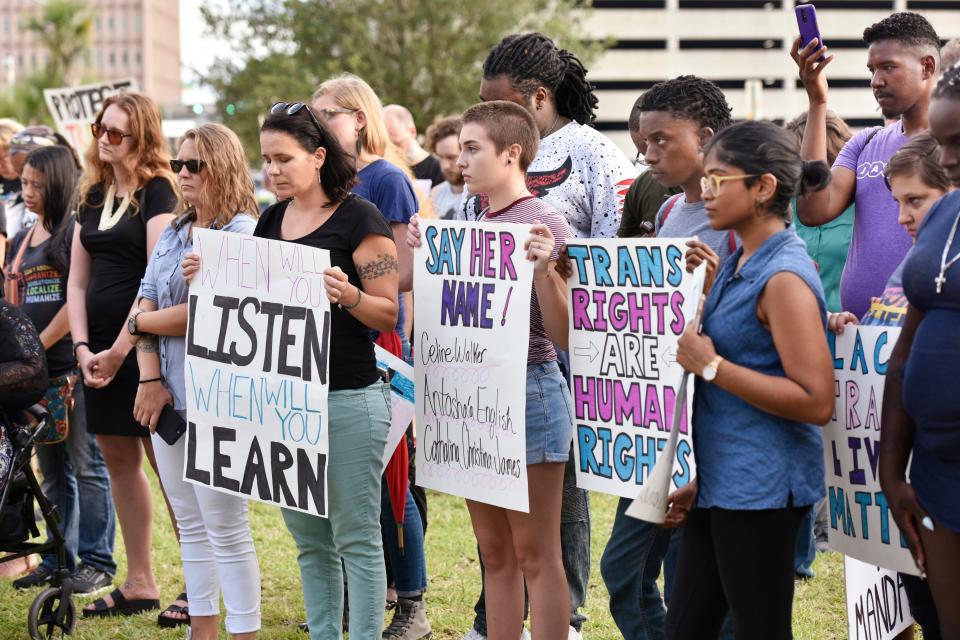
[424,54]
[64,28]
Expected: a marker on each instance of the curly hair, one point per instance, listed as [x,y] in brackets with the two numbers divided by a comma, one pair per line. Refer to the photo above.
[227,187]
[906,27]
[690,98]
[531,60]
[949,84]
[151,158]
[442,128]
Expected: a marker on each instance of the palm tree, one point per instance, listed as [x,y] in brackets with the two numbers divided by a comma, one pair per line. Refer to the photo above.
[64,28]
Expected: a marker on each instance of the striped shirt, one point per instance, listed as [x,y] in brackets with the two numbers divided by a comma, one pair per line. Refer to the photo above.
[525,211]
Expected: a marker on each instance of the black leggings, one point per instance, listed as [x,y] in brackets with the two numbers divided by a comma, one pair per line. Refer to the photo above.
[741,561]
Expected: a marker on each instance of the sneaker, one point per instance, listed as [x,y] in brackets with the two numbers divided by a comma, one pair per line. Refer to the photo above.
[409,621]
[40,576]
[524,635]
[574,634]
[88,579]
[473,634]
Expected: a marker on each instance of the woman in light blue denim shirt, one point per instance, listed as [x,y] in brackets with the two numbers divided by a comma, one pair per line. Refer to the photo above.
[215,540]
[766,378]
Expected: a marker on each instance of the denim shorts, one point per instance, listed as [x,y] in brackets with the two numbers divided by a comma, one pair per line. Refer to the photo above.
[549,414]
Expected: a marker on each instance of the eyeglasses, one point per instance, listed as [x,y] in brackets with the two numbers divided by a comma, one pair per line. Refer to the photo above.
[193,165]
[31,140]
[293,108]
[712,182]
[328,114]
[114,137]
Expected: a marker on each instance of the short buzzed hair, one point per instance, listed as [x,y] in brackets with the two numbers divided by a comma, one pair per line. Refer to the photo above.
[507,123]
[905,27]
[442,128]
[950,54]
[633,122]
[401,113]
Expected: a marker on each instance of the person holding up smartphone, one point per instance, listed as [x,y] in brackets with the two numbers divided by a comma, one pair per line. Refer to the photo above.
[215,540]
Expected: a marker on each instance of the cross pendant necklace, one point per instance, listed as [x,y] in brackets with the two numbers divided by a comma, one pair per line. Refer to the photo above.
[945,264]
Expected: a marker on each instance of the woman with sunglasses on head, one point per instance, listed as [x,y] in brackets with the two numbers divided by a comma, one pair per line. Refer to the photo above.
[353,113]
[215,541]
[126,196]
[765,379]
[74,473]
[313,176]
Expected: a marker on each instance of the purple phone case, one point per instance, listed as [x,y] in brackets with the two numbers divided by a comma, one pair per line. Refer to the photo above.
[807,22]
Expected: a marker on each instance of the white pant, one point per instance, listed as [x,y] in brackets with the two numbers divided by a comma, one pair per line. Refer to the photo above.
[215,544]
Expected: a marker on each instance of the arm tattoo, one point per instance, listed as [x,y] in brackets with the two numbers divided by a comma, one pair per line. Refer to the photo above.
[385,264]
[148,343]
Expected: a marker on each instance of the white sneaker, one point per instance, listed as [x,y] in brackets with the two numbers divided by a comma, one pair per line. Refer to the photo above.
[473,634]
[574,634]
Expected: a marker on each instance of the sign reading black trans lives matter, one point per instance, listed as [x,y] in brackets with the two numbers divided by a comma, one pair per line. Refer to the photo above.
[258,343]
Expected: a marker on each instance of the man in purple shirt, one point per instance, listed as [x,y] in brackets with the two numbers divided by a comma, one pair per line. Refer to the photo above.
[903,60]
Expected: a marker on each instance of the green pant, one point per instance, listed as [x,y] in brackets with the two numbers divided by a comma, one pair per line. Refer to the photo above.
[359,420]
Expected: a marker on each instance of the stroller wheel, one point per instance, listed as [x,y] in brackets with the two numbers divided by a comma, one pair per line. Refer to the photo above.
[42,619]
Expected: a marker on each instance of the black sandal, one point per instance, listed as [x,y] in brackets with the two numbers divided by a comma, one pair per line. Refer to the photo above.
[171,623]
[121,606]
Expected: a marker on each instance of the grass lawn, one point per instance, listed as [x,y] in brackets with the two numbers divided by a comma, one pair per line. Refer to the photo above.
[454,582]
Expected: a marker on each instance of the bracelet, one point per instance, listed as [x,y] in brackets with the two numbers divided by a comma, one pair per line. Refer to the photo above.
[347,307]
[151,380]
[77,345]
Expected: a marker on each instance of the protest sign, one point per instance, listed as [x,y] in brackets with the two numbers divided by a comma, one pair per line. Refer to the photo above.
[258,345]
[400,375]
[74,108]
[630,300]
[877,607]
[472,284]
[861,525]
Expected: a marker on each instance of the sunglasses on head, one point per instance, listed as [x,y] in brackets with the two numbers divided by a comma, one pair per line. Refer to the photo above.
[114,137]
[293,108]
[193,166]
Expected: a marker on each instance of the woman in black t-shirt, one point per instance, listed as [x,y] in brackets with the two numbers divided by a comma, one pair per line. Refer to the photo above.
[74,473]
[363,283]
[126,198]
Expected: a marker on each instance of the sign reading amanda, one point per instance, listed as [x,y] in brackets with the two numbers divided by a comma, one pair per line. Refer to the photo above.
[877,607]
[258,344]
[473,287]
[74,108]
[861,525]
[630,300]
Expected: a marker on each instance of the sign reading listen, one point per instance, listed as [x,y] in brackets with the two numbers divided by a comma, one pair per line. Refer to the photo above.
[258,344]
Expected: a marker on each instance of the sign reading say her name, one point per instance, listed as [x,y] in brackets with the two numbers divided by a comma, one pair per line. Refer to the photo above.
[472,284]
[877,607]
[630,300]
[861,524]
[258,345]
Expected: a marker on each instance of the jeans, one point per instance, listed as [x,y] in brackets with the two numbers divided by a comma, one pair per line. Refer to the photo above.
[806,547]
[630,566]
[359,420]
[409,565]
[75,480]
[215,544]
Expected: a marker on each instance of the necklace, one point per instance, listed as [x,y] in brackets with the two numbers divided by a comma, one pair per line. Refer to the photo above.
[108,217]
[552,126]
[941,279]
[486,209]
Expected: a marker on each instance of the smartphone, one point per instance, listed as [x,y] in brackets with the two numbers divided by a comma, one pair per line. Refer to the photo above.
[807,22]
[170,426]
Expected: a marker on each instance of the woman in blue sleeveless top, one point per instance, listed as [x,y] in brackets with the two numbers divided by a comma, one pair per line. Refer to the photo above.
[921,414]
[765,379]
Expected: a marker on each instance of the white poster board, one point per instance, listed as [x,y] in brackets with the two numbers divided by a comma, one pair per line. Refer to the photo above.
[472,284]
[400,375]
[257,364]
[877,607]
[630,300]
[860,524]
[74,108]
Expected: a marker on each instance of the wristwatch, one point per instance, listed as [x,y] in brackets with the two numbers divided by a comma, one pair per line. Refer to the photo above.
[132,323]
[710,371]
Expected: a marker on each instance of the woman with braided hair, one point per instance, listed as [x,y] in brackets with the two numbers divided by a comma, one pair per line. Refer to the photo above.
[584,176]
